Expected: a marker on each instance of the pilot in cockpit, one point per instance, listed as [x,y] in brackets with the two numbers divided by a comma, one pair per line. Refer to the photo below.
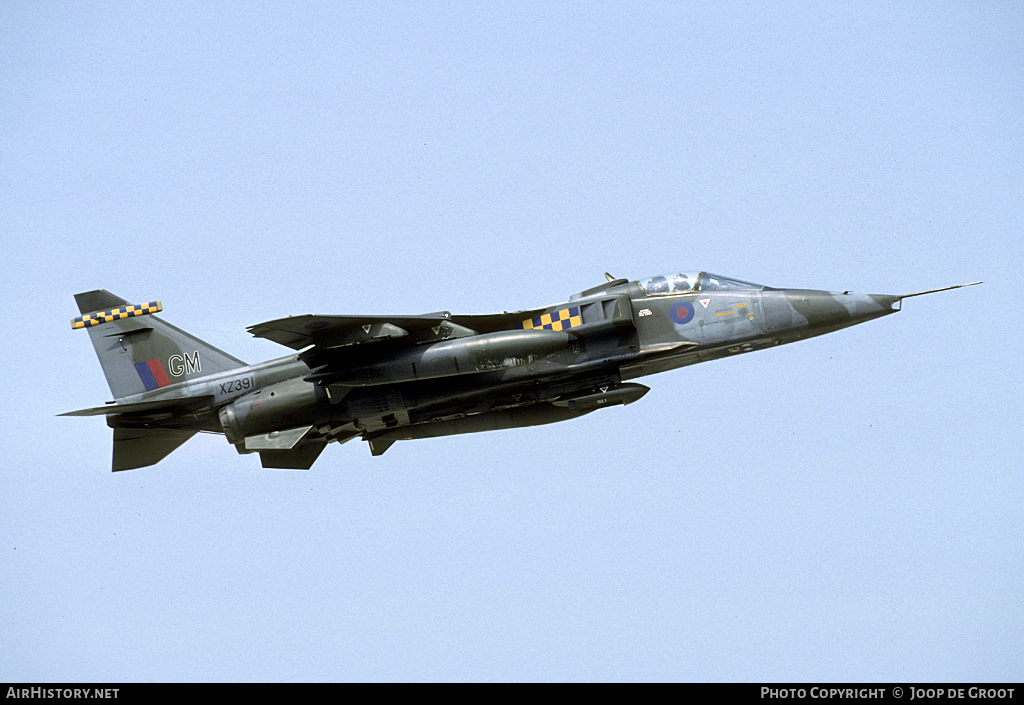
[657,285]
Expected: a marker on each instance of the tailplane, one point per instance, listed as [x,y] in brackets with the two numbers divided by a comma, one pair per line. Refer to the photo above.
[142,353]
[141,447]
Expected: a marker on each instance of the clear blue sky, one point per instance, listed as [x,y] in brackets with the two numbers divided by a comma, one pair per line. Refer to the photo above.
[845,508]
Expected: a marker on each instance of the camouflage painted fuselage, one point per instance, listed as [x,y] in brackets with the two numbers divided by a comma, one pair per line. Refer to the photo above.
[392,378]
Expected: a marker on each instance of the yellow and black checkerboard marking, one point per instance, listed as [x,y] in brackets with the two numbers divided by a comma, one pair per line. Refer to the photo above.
[559,320]
[95,319]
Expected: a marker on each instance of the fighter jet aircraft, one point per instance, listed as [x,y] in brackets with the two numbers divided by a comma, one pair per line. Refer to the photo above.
[390,378]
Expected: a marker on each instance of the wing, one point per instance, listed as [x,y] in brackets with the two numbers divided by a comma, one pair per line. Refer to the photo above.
[334,332]
[359,350]
[298,332]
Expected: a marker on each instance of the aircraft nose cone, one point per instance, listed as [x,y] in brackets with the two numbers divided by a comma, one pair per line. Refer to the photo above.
[864,307]
[827,311]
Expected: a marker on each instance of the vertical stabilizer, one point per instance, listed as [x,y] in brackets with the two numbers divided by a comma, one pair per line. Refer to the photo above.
[141,353]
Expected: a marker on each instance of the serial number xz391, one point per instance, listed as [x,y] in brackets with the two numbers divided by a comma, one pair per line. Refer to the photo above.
[237,385]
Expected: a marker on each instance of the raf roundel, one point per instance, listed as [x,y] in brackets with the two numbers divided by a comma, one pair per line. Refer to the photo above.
[682,312]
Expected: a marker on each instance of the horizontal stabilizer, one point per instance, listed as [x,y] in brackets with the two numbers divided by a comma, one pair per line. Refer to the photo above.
[146,407]
[140,447]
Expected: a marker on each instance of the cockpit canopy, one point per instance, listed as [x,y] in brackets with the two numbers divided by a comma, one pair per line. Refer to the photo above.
[682,282]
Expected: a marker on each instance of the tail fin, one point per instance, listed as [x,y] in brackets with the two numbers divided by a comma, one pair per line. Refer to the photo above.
[140,352]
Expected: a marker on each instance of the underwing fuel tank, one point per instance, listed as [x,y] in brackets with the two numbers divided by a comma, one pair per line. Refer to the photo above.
[516,417]
[622,394]
[478,353]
